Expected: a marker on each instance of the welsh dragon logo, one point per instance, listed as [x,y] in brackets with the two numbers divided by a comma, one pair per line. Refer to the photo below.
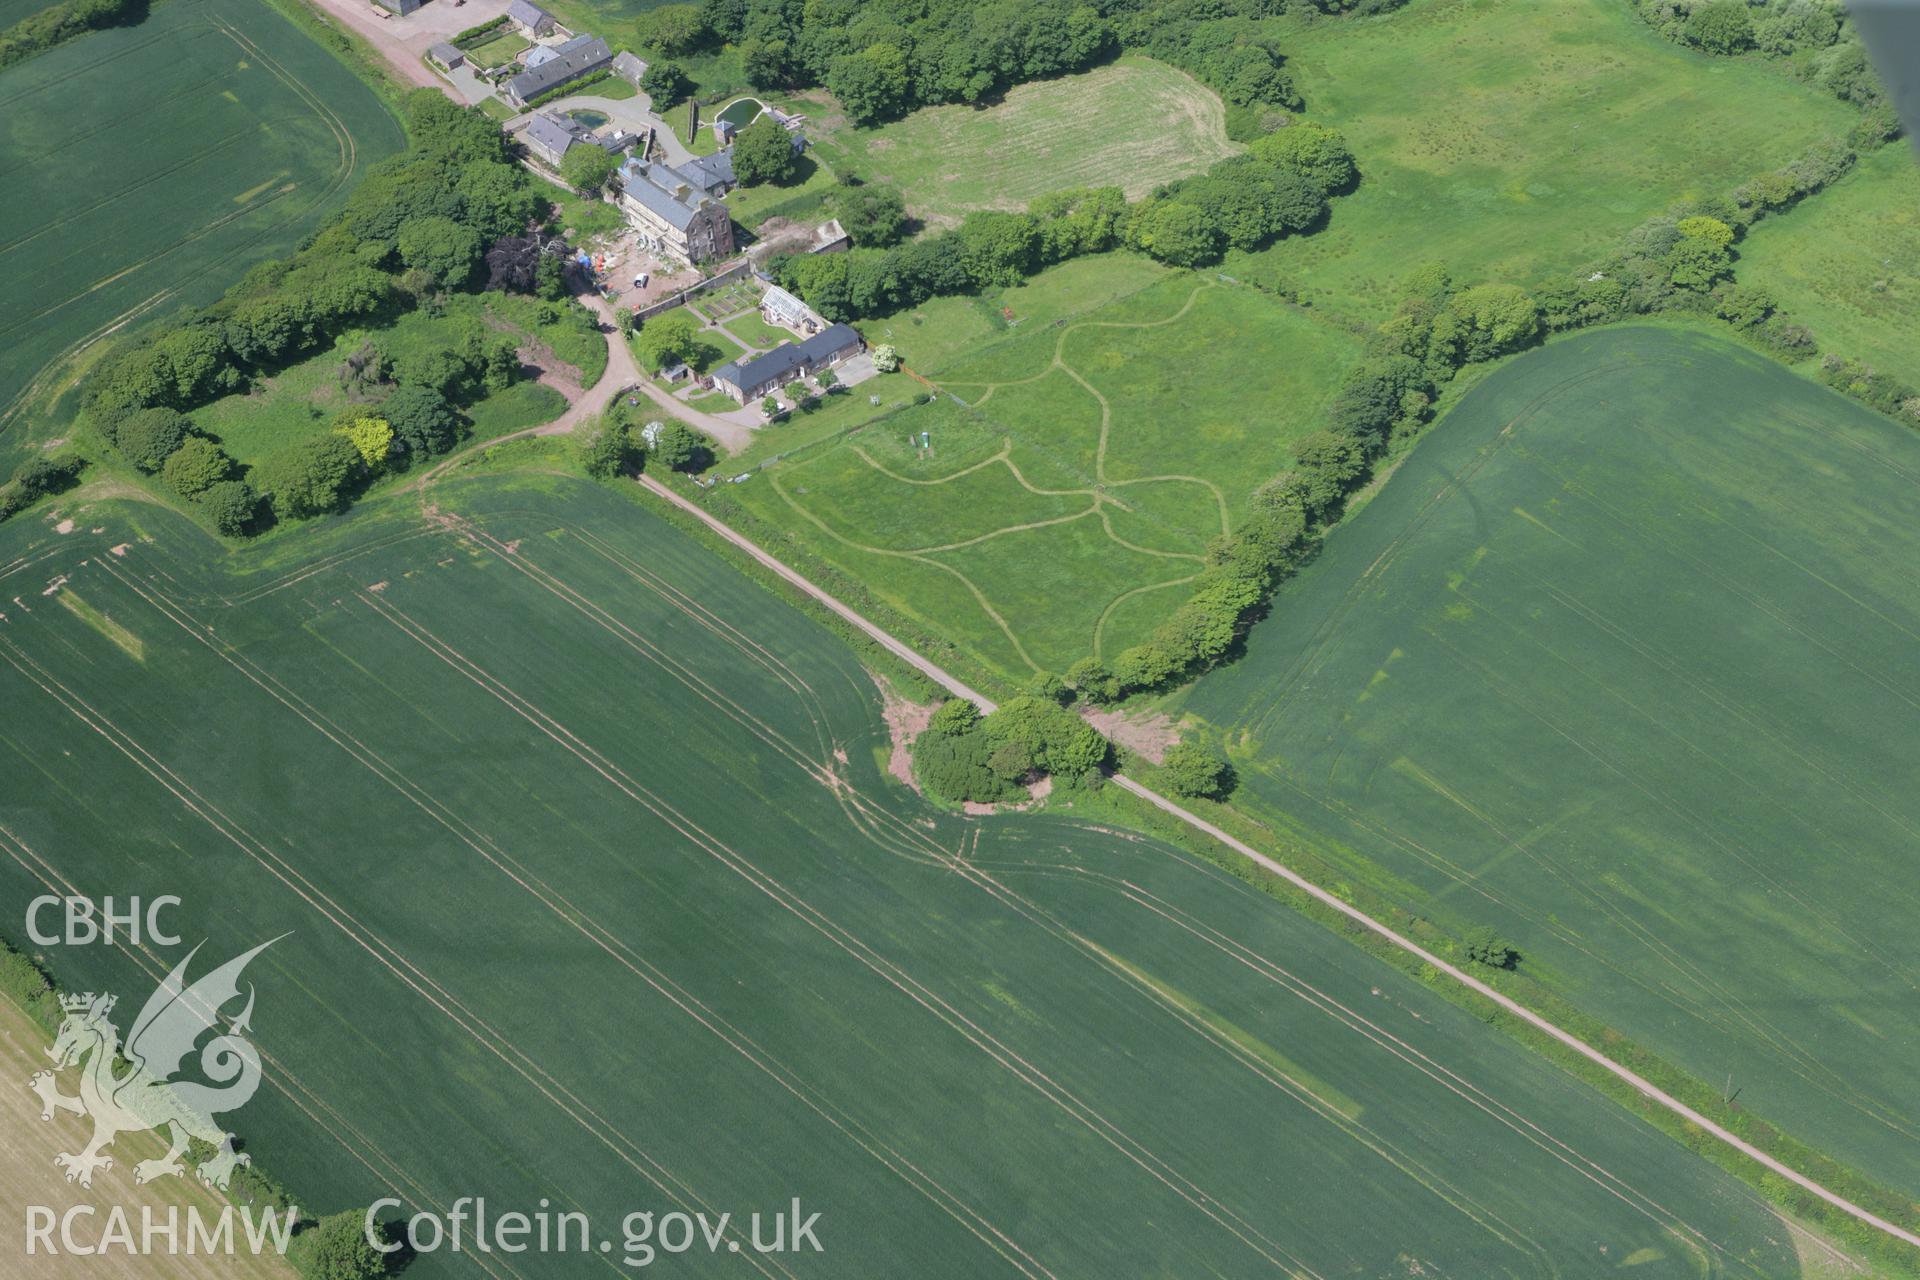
[130,1088]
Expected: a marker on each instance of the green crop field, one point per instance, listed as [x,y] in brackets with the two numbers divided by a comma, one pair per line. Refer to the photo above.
[1623,663]
[1847,263]
[146,167]
[12,11]
[1072,474]
[1134,124]
[1516,140]
[613,906]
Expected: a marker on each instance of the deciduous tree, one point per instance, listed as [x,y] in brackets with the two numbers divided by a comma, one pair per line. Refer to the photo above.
[231,505]
[148,437]
[441,247]
[1196,770]
[311,477]
[668,338]
[588,168]
[873,214]
[195,467]
[763,152]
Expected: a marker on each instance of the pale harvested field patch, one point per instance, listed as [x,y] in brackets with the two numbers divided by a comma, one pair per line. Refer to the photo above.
[28,1177]
[1134,124]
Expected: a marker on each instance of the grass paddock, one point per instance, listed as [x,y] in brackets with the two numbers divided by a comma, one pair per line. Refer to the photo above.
[1070,467]
[1134,123]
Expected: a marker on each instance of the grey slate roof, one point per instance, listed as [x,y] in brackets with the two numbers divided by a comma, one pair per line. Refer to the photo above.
[788,357]
[628,67]
[445,54]
[553,134]
[651,186]
[528,14]
[571,60]
[710,173]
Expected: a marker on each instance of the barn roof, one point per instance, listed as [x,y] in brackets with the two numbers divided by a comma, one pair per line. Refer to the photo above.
[788,357]
[527,13]
[570,60]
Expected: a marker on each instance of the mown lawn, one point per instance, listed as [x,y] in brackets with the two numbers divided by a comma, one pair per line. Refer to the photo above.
[498,51]
[1133,123]
[1515,141]
[1069,468]
[805,199]
[750,330]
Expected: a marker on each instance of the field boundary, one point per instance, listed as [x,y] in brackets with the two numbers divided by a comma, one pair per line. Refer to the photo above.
[1640,1084]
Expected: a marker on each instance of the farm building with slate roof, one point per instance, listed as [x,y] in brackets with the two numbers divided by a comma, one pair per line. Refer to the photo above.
[580,56]
[549,137]
[751,379]
[530,17]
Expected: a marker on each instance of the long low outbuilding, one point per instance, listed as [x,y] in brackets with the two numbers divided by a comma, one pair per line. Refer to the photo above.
[550,66]
[746,380]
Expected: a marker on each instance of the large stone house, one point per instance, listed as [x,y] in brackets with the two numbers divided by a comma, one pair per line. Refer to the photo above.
[675,212]
[550,66]
[751,379]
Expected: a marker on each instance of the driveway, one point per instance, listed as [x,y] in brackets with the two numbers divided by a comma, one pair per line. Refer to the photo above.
[403,42]
[623,372]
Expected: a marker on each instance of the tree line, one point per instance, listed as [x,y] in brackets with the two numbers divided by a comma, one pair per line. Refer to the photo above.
[444,214]
[1680,261]
[1685,260]
[883,60]
[60,22]
[1813,39]
[1281,186]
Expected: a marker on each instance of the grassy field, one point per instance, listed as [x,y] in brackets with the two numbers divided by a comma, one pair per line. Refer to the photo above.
[1847,263]
[1622,663]
[1134,124]
[1073,473]
[613,906]
[1530,138]
[306,397]
[146,167]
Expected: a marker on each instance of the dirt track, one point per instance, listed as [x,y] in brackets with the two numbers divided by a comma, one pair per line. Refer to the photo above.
[388,37]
